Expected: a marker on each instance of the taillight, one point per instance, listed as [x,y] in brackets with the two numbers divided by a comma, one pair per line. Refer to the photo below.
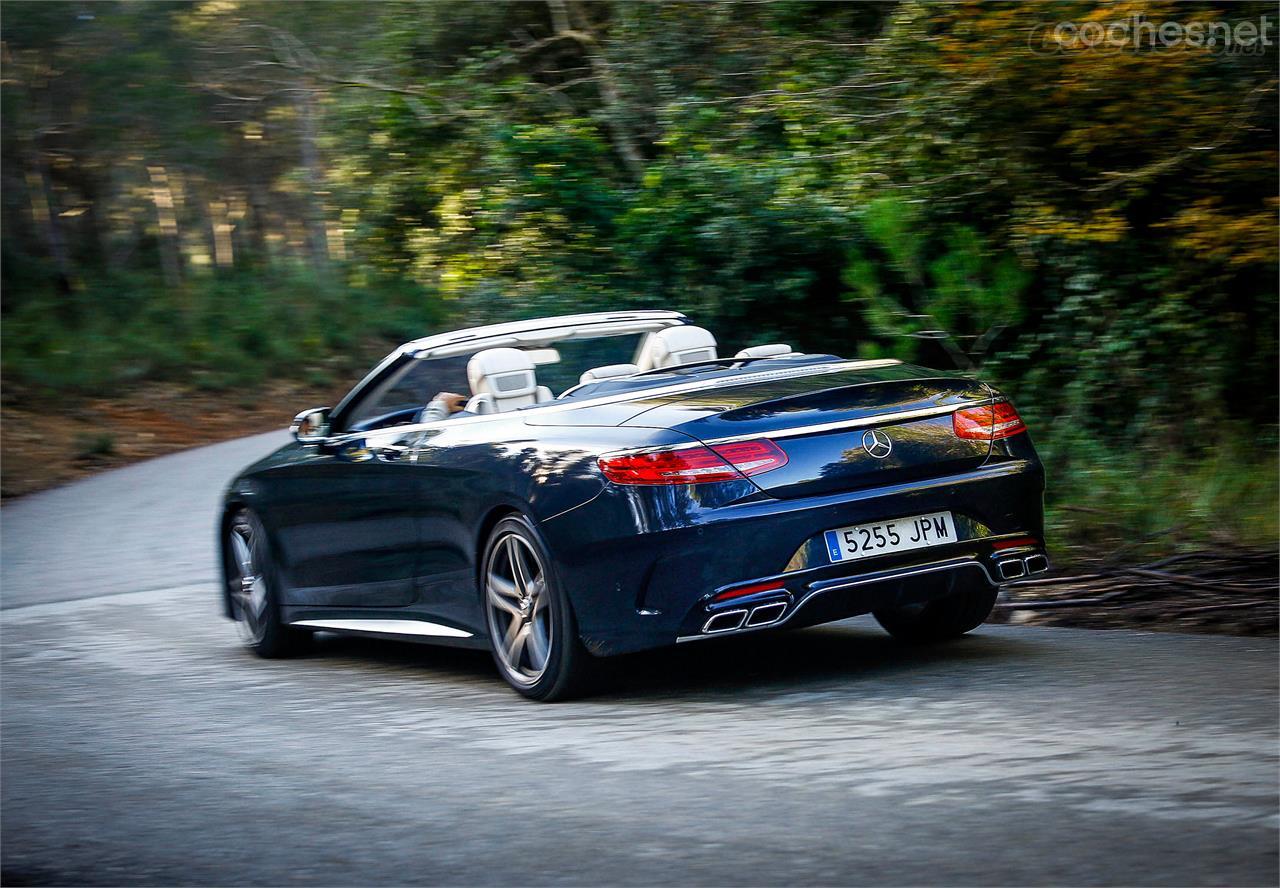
[989,423]
[694,465]
[771,586]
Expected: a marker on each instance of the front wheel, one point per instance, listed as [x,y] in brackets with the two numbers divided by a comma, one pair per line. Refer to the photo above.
[251,587]
[532,632]
[941,619]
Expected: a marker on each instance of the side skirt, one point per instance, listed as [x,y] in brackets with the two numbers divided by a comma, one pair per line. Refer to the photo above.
[409,629]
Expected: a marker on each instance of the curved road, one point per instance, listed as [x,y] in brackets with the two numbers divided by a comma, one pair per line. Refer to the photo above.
[140,745]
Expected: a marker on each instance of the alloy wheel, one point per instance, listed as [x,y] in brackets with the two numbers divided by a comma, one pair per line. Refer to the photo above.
[518,605]
[248,585]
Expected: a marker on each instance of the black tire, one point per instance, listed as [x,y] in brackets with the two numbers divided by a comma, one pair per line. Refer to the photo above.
[941,619]
[522,596]
[252,589]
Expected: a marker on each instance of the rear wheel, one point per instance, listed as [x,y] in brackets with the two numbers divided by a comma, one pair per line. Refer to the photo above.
[532,632]
[251,587]
[940,619]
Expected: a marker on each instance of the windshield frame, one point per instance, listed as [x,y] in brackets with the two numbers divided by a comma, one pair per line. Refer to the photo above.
[538,333]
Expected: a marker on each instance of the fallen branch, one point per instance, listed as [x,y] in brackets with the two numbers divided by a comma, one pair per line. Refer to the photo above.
[1228,579]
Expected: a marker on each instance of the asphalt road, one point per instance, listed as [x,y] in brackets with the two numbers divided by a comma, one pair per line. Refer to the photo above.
[138,744]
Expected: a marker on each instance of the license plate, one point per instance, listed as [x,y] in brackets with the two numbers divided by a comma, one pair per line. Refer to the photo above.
[883,537]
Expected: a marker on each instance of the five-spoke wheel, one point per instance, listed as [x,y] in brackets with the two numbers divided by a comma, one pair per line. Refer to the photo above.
[251,592]
[530,622]
[519,608]
[247,586]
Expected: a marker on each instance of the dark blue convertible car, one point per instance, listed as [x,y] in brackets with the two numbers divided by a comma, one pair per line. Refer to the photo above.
[606,483]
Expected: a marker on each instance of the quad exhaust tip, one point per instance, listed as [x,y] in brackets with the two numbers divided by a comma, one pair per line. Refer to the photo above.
[766,613]
[761,615]
[725,622]
[1012,569]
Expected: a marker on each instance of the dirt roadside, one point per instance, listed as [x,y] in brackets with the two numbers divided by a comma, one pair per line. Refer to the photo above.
[43,446]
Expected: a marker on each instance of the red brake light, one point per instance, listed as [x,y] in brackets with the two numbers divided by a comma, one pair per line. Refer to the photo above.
[694,465]
[749,590]
[1015,543]
[988,423]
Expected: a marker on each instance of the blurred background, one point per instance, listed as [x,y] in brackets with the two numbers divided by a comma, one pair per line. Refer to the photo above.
[215,214]
[218,213]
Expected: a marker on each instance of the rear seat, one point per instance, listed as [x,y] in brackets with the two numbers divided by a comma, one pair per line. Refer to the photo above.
[612,371]
[675,346]
[772,350]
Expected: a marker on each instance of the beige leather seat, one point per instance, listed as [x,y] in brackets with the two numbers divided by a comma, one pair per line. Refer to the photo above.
[503,379]
[611,371]
[772,350]
[676,346]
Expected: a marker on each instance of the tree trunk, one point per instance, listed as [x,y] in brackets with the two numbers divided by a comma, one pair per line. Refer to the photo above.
[162,197]
[607,83]
[316,235]
[220,228]
[45,210]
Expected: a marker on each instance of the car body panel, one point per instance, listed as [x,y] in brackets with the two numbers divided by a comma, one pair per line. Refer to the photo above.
[391,523]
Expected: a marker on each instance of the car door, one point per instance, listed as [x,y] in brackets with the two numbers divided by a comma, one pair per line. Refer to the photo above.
[348,510]
[455,471]
[345,516]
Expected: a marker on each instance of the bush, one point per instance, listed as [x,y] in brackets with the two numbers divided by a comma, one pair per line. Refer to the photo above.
[217,332]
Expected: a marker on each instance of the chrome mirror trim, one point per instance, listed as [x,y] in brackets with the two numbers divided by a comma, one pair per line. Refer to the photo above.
[311,426]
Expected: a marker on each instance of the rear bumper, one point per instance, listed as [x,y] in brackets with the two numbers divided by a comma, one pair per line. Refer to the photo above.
[643,565]
[804,601]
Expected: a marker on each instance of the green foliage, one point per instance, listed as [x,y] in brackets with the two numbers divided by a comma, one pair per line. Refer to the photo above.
[1105,497]
[217,193]
[932,283]
[223,332]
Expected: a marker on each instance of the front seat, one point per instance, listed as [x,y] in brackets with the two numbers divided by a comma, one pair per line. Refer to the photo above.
[772,350]
[675,346]
[503,379]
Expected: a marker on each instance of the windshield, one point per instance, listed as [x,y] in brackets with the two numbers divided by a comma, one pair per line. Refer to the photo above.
[399,397]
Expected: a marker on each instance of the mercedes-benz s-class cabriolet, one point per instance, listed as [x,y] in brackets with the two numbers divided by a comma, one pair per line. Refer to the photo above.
[569,488]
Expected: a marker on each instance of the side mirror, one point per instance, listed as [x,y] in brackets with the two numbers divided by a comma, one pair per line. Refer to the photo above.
[311,426]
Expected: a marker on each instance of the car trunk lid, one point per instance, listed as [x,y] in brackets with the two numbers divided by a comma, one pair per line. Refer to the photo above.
[843,431]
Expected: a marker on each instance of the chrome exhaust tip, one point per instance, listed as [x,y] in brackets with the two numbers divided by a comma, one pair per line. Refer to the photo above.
[766,613]
[1011,569]
[1036,564]
[725,622]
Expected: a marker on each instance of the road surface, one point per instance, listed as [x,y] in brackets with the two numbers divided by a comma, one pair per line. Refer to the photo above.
[141,746]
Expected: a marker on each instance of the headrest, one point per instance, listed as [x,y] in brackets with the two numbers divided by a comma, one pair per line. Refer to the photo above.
[772,350]
[613,371]
[675,346]
[502,372]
